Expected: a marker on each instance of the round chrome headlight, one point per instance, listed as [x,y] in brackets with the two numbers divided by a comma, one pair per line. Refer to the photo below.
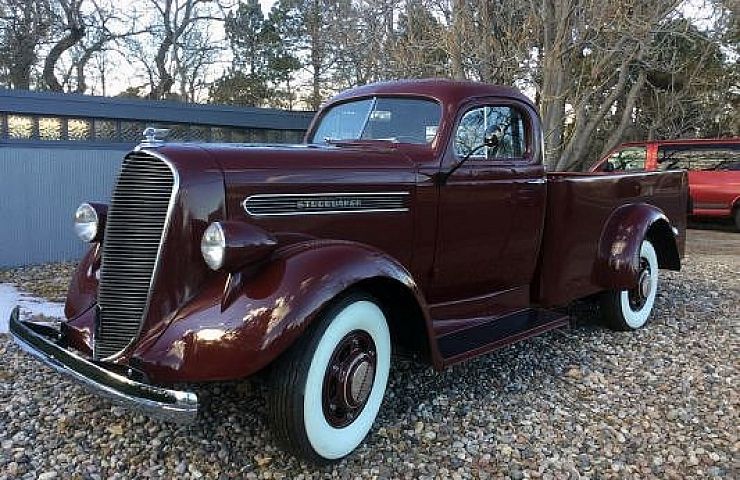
[213,246]
[86,222]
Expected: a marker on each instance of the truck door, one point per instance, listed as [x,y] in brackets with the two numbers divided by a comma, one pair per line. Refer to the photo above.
[492,208]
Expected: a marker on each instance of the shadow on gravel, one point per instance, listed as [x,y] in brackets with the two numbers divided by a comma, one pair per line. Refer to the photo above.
[720,225]
[415,393]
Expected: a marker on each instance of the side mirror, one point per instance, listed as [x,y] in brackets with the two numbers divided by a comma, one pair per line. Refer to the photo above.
[492,136]
[491,139]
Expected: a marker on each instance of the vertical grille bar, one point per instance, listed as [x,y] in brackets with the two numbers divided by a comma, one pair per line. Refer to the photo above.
[136,220]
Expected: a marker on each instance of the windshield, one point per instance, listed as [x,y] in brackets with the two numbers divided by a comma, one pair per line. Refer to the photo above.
[402,120]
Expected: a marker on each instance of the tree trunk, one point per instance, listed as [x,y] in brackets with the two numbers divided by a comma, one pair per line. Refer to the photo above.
[585,125]
[75,32]
[165,80]
[317,55]
[455,40]
[617,135]
[555,79]
[68,41]
[20,67]
[81,66]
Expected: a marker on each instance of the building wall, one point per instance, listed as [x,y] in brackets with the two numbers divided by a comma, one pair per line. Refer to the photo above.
[58,150]
[40,188]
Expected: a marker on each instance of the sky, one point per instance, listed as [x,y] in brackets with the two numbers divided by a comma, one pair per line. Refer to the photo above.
[266,5]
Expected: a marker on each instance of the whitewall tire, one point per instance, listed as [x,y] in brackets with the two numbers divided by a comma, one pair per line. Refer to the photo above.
[631,309]
[328,388]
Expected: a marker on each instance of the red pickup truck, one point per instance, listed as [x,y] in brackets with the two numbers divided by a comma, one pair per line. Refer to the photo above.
[713,166]
[416,217]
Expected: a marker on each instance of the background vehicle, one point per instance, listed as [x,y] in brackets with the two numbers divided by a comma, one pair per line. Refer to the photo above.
[713,165]
[418,216]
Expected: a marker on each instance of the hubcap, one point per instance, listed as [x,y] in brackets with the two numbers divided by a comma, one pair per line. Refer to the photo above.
[359,382]
[349,378]
[638,296]
[645,284]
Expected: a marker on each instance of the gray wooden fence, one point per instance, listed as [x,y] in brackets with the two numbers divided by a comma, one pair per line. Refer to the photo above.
[57,151]
[40,188]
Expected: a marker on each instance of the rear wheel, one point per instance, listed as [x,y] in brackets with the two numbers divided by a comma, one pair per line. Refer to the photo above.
[631,309]
[327,389]
[737,218]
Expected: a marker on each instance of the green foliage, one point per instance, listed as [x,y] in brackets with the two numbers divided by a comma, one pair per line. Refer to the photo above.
[239,88]
[246,32]
[309,28]
[688,92]
[134,92]
[263,63]
[418,43]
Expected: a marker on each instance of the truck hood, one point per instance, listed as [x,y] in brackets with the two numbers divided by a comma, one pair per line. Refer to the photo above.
[238,157]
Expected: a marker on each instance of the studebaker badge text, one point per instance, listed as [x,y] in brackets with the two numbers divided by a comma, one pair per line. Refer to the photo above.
[331,203]
[325,203]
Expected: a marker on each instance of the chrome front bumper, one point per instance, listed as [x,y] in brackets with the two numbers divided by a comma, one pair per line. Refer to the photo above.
[44,342]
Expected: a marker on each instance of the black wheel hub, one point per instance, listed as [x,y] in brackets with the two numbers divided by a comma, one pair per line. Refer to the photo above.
[349,378]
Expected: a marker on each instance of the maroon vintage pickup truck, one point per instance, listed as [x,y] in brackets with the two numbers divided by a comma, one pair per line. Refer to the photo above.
[416,217]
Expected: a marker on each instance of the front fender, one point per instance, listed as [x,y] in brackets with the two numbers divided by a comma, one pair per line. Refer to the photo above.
[83,287]
[617,258]
[240,323]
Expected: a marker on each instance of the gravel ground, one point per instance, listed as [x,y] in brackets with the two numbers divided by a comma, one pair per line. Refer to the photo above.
[48,281]
[584,403]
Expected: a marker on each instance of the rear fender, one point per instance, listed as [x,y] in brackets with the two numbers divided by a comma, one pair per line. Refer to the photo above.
[617,258]
[240,323]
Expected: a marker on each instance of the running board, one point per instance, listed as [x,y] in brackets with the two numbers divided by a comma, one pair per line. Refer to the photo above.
[499,332]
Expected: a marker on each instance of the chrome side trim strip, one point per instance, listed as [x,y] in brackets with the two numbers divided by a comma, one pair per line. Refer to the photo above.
[293,210]
[329,212]
[325,194]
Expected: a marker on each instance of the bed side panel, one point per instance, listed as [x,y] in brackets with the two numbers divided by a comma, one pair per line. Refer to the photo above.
[578,206]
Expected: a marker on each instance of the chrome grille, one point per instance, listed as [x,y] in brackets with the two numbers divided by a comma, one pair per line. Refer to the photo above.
[133,233]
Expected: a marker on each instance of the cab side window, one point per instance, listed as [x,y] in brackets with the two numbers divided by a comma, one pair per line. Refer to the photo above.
[505,122]
[705,157]
[630,158]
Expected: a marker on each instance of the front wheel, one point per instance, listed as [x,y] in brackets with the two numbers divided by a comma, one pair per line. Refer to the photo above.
[327,389]
[736,216]
[631,309]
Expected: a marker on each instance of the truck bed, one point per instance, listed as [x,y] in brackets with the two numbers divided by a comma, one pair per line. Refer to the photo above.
[578,208]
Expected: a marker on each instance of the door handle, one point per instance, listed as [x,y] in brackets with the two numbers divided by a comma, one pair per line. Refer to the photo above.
[529,191]
[530,186]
